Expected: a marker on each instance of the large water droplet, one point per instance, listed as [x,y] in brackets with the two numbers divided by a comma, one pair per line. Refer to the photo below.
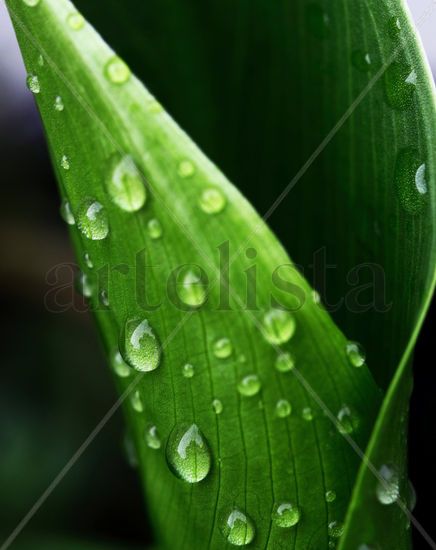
[278,326]
[125,185]
[250,385]
[217,406]
[92,220]
[400,85]
[136,402]
[410,181]
[361,60]
[283,408]
[154,228]
[286,515]
[191,289]
[336,529]
[356,354]
[33,84]
[222,348]
[76,21]
[121,368]
[152,438]
[388,487]
[348,421]
[116,71]
[285,362]
[139,345]
[188,454]
[188,370]
[237,527]
[330,496]
[65,162]
[318,21]
[58,104]
[66,213]
[186,169]
[212,201]
[31,3]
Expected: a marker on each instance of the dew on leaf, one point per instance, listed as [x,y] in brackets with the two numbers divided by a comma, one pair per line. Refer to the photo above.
[285,362]
[222,348]
[283,408]
[66,213]
[355,353]
[121,368]
[154,228]
[125,185]
[249,385]
[286,515]
[116,70]
[237,528]
[33,84]
[139,345]
[307,414]
[217,406]
[76,21]
[400,85]
[58,104]
[410,181]
[187,453]
[65,162]
[92,220]
[191,289]
[348,421]
[186,169]
[336,529]
[152,439]
[361,60]
[188,370]
[330,496]
[212,201]
[136,402]
[388,486]
[31,3]
[278,326]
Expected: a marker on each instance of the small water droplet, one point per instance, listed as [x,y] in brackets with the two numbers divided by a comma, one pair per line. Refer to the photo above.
[318,21]
[278,326]
[361,60]
[212,201]
[88,261]
[316,297]
[283,408]
[249,385]
[217,406]
[410,181]
[58,104]
[192,289]
[76,21]
[336,529]
[66,213]
[388,486]
[120,367]
[394,27]
[356,354]
[136,402]
[92,220]
[154,229]
[286,515]
[41,61]
[188,370]
[400,85]
[222,348]
[125,184]
[186,169]
[84,285]
[116,70]
[33,84]
[348,421]
[188,454]
[31,3]
[139,345]
[237,528]
[307,414]
[65,163]
[104,298]
[154,107]
[152,438]
[330,496]
[285,362]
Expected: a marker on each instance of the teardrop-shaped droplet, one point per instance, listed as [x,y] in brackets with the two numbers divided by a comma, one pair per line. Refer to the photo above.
[125,185]
[356,354]
[33,84]
[330,496]
[92,220]
[286,514]
[103,297]
[307,414]
[285,362]
[152,438]
[249,385]
[186,169]
[31,3]
[116,71]
[66,213]
[58,104]
[191,289]
[388,486]
[212,201]
[361,60]
[348,421]
[65,162]
[76,21]
[121,368]
[278,326]
[139,345]
[188,454]
[188,370]
[222,348]
[154,228]
[88,260]
[400,85]
[237,528]
[85,285]
[217,406]
[336,529]
[136,402]
[411,181]
[283,408]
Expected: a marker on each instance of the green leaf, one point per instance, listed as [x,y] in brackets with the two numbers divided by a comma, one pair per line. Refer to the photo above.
[255,124]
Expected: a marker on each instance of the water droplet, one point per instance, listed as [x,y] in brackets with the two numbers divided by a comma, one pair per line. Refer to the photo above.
[348,421]
[192,289]
[250,385]
[116,71]
[316,297]
[361,60]
[212,201]
[283,408]
[76,21]
[394,27]
[318,21]
[217,406]
[104,298]
[285,362]
[84,285]
[31,3]
[154,107]
[222,348]
[237,527]
[88,261]
[41,61]
[242,359]
[58,104]
[336,529]
[411,496]
[400,85]
[278,326]
[188,370]
[120,367]
[130,452]
[125,185]
[186,169]
[356,354]
[410,181]
[139,345]
[330,496]
[92,220]
[188,454]
[33,84]
[65,163]
[388,486]
[307,414]
[152,438]
[154,229]
[286,515]
[136,402]
[66,213]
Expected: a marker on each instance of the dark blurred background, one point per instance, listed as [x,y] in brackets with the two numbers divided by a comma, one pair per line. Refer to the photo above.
[55,386]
